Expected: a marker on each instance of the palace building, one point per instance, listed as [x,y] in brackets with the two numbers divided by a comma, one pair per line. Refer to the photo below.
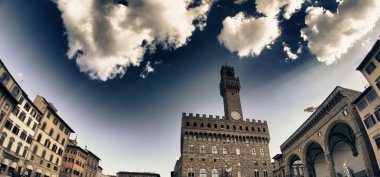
[228,145]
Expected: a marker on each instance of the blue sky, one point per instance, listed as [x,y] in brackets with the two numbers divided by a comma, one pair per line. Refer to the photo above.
[131,118]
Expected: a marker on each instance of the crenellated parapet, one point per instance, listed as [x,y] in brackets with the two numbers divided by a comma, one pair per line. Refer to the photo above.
[217,117]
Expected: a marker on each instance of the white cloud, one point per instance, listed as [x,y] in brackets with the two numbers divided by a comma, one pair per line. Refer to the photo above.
[105,38]
[289,52]
[271,8]
[299,50]
[147,69]
[248,36]
[330,35]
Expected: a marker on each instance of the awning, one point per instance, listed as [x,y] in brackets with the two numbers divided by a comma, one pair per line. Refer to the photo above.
[30,167]
[5,162]
[39,171]
[13,165]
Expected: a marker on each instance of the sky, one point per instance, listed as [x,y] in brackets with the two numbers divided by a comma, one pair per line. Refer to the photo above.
[122,72]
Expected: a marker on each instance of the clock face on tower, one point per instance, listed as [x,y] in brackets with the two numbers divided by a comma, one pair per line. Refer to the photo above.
[235,115]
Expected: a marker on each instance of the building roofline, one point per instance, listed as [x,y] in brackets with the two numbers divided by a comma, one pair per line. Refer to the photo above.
[93,154]
[363,94]
[277,156]
[335,92]
[18,85]
[56,114]
[77,147]
[369,56]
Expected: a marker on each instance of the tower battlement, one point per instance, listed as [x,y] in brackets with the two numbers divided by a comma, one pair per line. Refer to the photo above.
[217,117]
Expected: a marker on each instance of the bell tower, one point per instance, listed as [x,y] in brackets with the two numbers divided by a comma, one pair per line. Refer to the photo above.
[229,90]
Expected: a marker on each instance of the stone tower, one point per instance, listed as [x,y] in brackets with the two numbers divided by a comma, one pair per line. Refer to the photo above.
[224,146]
[229,90]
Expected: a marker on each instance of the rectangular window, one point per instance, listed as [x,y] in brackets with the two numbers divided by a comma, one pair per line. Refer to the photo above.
[22,116]
[29,139]
[377,113]
[369,121]
[2,115]
[55,122]
[15,111]
[370,68]
[362,105]
[378,56]
[377,141]
[27,107]
[29,122]
[34,126]
[21,100]
[15,130]
[371,96]
[23,135]
[8,125]
[7,106]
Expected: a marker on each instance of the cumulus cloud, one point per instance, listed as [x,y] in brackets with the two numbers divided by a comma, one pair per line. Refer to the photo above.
[107,37]
[248,36]
[147,69]
[289,52]
[330,35]
[271,8]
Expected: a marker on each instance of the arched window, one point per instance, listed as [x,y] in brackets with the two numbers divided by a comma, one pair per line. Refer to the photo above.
[203,173]
[51,158]
[54,148]
[15,91]
[2,138]
[262,152]
[191,148]
[237,151]
[214,150]
[63,141]
[264,163]
[35,149]
[43,154]
[51,132]
[253,151]
[190,173]
[215,173]
[203,149]
[225,150]
[4,78]
[265,173]
[43,126]
[256,173]
[255,163]
[58,136]
[39,138]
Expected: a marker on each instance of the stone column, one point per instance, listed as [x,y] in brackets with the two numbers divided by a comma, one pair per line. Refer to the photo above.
[330,163]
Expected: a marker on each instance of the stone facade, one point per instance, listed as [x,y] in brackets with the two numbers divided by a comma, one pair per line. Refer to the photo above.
[74,160]
[368,104]
[331,140]
[224,145]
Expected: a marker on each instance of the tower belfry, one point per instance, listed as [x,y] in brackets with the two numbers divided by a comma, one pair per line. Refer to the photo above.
[229,90]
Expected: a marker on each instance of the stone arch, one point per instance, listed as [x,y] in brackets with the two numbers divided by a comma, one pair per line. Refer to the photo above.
[315,162]
[341,143]
[294,161]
